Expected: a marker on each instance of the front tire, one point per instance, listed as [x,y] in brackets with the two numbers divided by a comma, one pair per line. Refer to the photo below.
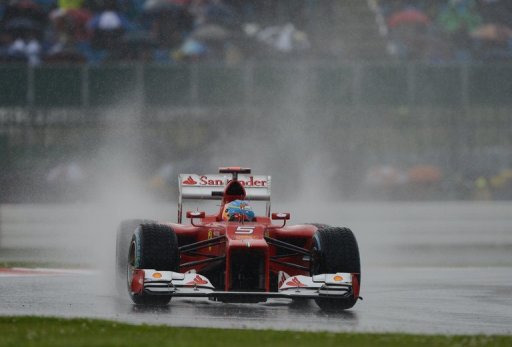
[153,246]
[123,239]
[335,250]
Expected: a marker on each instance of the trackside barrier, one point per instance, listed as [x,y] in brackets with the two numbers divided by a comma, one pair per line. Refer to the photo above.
[261,85]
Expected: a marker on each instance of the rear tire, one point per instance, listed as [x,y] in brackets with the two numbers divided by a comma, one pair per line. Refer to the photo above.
[153,246]
[335,250]
[123,239]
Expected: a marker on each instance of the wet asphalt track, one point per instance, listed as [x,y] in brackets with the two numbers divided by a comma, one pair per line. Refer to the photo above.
[428,268]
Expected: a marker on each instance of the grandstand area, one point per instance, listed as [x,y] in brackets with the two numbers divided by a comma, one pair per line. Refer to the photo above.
[233,31]
[392,99]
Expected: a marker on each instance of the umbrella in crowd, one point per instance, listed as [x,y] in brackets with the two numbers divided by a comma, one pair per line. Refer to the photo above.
[408,16]
[72,21]
[23,17]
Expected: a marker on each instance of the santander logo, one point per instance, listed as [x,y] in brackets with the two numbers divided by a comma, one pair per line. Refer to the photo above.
[219,181]
[197,281]
[295,283]
[190,181]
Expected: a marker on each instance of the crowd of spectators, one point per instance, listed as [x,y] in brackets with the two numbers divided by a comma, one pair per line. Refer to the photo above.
[95,31]
[449,30]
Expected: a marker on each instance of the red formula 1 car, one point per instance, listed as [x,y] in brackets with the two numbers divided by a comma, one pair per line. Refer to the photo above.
[234,255]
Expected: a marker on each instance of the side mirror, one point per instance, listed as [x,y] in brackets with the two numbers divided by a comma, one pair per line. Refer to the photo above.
[195,214]
[280,216]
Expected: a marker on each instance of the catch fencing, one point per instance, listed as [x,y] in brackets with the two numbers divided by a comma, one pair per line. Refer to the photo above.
[360,116]
[357,84]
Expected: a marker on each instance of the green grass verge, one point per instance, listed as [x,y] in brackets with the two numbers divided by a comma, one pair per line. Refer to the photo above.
[39,331]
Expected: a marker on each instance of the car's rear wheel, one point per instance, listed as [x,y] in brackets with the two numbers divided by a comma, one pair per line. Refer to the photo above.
[153,246]
[123,239]
[335,250]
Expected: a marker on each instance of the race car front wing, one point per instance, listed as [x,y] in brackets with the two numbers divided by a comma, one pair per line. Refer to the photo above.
[153,282]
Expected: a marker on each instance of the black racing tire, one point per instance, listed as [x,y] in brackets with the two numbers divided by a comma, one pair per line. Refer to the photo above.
[335,250]
[153,246]
[301,302]
[319,225]
[123,239]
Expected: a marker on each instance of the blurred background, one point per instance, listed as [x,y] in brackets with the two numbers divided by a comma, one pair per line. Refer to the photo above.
[359,100]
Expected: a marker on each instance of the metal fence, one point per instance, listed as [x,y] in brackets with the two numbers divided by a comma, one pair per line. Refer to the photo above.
[356,116]
[256,85]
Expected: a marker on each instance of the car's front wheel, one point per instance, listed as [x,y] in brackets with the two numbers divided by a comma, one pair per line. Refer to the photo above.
[335,250]
[123,239]
[153,246]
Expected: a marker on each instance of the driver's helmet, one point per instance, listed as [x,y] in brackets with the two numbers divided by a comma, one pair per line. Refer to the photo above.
[237,210]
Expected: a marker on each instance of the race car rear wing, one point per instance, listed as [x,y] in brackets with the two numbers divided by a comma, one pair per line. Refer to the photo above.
[211,187]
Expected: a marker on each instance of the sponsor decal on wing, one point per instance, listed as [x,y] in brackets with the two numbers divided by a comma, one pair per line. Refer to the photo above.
[197,281]
[294,282]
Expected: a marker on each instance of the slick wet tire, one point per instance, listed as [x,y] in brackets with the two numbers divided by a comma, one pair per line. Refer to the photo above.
[123,238]
[300,302]
[153,246]
[335,250]
[319,225]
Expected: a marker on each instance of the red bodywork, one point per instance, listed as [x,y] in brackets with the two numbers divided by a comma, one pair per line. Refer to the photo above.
[243,256]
